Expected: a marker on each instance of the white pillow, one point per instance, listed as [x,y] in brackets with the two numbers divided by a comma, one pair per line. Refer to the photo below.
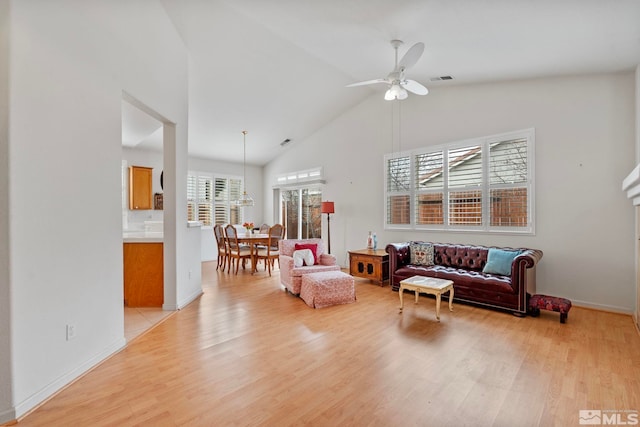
[302,257]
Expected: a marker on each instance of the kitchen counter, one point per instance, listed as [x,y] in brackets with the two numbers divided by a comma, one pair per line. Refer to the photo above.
[142,236]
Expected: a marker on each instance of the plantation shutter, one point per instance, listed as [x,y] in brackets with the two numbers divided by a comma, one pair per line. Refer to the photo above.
[508,182]
[480,184]
[192,186]
[210,199]
[399,191]
[429,185]
[465,185]
[221,201]
[235,191]
[205,200]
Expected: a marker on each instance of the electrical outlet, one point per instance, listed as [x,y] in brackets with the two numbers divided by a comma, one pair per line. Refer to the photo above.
[189,274]
[71,332]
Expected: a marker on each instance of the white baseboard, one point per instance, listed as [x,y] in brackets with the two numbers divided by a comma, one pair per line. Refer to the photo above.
[190,299]
[602,307]
[66,379]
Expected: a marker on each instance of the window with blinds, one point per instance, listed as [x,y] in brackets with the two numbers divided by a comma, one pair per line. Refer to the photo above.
[210,199]
[429,188]
[464,180]
[484,184]
[399,190]
[508,177]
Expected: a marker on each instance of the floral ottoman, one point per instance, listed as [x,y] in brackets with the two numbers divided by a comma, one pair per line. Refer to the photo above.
[539,302]
[327,288]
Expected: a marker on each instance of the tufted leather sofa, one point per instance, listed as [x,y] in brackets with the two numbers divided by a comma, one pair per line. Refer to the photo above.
[463,264]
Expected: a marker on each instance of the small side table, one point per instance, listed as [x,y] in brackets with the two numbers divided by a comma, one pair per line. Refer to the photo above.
[370,264]
[427,285]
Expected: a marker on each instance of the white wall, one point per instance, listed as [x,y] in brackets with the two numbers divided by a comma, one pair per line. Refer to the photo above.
[70,62]
[637,212]
[6,409]
[584,148]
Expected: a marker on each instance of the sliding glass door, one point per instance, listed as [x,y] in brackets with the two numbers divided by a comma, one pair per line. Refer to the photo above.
[300,212]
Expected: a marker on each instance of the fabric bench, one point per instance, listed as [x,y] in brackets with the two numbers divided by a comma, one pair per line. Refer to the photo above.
[327,288]
[547,302]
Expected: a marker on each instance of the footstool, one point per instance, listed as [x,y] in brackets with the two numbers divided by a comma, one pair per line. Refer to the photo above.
[327,288]
[547,302]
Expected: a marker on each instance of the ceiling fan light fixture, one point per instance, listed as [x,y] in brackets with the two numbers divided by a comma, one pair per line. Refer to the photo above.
[395,92]
[398,85]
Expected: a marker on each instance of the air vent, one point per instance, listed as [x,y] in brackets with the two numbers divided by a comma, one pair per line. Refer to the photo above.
[285,142]
[441,78]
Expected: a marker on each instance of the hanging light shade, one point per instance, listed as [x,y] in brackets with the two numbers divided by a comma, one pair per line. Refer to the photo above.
[245,199]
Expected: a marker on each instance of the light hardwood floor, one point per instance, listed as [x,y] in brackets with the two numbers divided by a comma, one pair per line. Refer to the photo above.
[248,353]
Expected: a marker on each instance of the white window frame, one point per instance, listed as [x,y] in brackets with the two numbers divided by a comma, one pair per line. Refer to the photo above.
[484,186]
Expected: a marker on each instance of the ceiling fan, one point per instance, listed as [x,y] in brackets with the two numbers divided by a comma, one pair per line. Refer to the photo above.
[398,85]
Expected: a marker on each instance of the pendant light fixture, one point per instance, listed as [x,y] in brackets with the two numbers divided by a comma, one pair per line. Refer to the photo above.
[244,200]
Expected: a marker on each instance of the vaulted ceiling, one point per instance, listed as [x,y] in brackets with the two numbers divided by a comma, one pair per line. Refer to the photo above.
[278,68]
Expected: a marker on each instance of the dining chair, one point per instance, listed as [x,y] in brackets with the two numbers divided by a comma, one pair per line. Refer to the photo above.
[218,232]
[264,229]
[236,251]
[270,253]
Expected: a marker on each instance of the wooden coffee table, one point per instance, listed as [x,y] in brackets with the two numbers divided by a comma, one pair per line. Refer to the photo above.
[427,285]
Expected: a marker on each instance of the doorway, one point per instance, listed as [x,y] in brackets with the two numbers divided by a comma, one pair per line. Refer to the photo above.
[300,212]
[142,146]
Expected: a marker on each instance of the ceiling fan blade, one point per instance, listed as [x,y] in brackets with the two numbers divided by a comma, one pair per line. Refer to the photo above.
[411,57]
[368,82]
[415,87]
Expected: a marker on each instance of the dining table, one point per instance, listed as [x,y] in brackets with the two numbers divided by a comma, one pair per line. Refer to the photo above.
[253,240]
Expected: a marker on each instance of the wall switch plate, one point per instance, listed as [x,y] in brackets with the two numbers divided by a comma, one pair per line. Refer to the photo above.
[71,332]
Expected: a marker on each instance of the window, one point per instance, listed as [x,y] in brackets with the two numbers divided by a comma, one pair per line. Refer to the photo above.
[210,199]
[484,184]
[309,176]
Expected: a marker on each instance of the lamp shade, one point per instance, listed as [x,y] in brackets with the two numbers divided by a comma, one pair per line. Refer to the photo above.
[327,207]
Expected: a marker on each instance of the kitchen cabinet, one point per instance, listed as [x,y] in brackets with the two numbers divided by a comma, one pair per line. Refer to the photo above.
[140,188]
[143,274]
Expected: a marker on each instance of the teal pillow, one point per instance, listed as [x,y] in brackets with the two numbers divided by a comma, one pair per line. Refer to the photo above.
[499,261]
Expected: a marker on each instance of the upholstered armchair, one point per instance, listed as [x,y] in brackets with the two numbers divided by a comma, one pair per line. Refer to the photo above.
[291,276]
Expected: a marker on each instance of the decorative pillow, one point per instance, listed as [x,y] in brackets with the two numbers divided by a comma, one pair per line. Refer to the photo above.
[302,257]
[421,253]
[311,246]
[499,261]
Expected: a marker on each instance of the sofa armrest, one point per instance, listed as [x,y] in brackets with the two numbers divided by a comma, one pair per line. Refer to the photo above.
[523,270]
[327,259]
[399,255]
[527,259]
